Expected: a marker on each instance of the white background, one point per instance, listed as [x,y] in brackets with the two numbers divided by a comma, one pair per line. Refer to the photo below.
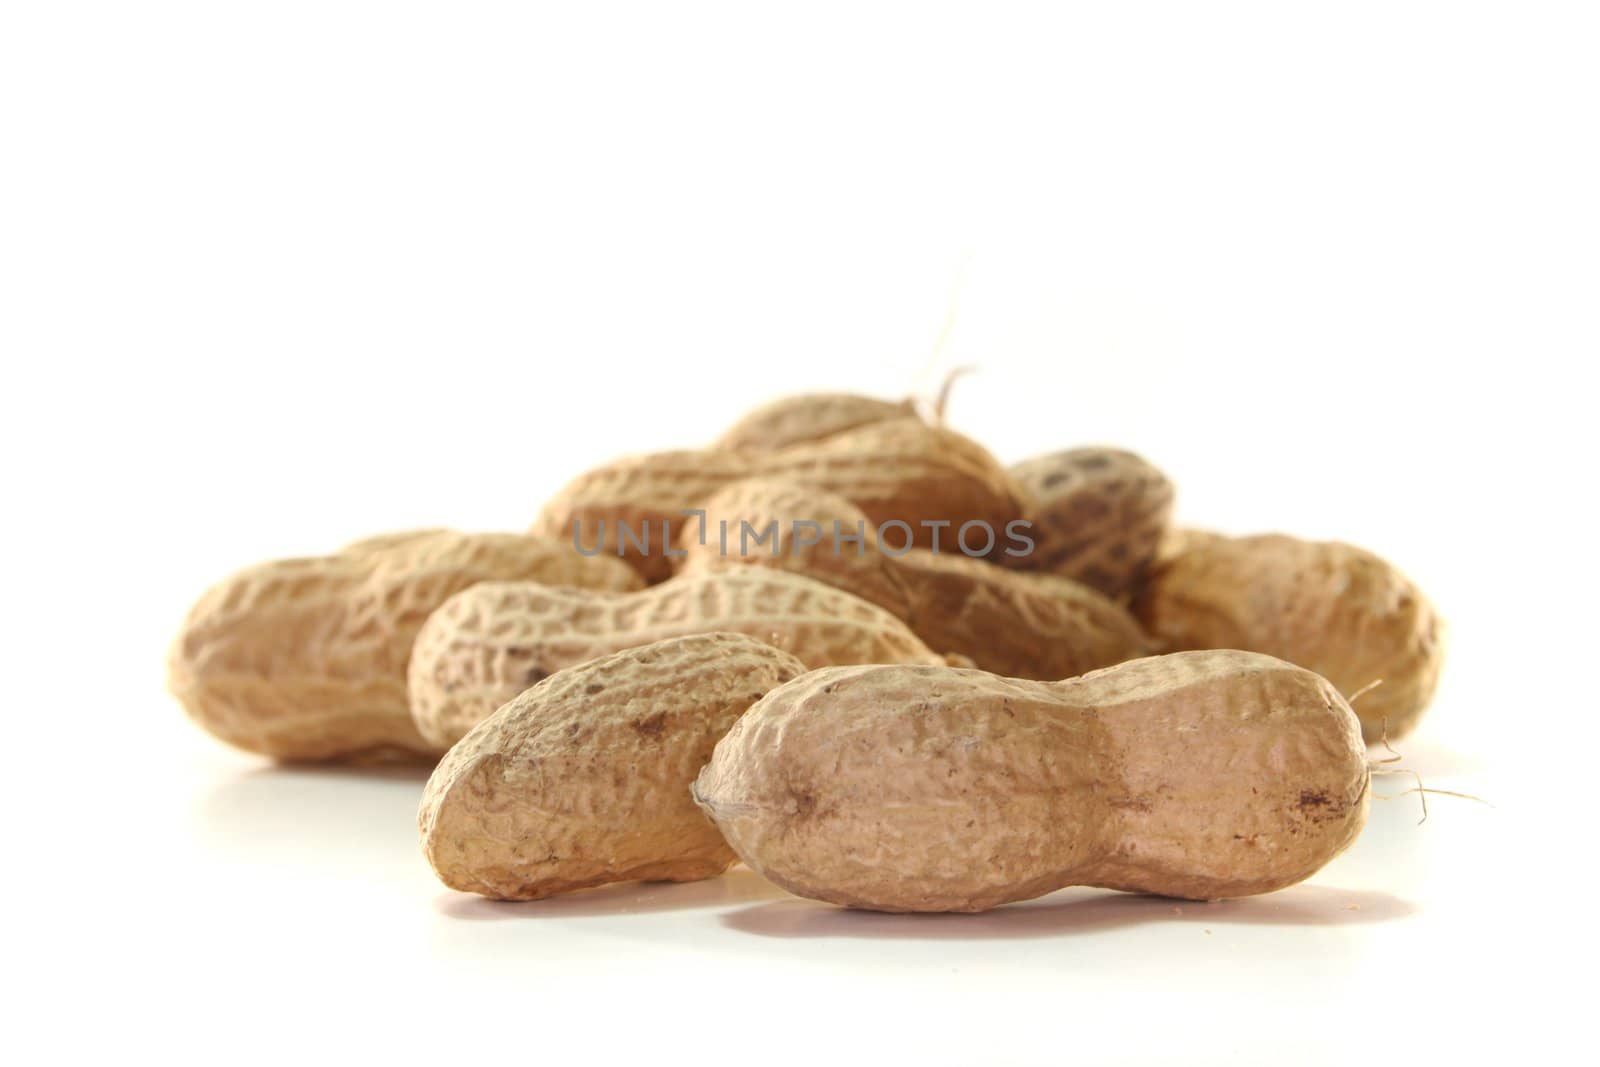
[275,276]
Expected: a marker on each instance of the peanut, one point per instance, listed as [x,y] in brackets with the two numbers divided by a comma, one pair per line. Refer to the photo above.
[489,643]
[1330,607]
[305,659]
[1177,540]
[1098,515]
[383,541]
[1009,622]
[911,788]
[808,417]
[584,779]
[902,469]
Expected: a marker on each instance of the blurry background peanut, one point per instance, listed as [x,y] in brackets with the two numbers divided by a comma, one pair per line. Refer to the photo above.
[1332,608]
[902,469]
[1097,514]
[1016,623]
[305,659]
[807,417]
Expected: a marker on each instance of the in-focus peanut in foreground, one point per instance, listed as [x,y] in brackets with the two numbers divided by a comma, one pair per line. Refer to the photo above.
[305,659]
[584,779]
[1330,607]
[908,788]
[489,643]
[1013,623]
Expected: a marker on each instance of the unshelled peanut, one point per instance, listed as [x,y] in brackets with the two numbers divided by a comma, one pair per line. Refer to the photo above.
[584,779]
[1010,622]
[1177,540]
[910,788]
[489,643]
[903,470]
[1097,515]
[1330,607]
[808,417]
[305,659]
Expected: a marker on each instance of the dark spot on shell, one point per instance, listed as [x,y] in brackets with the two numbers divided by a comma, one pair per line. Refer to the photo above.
[534,675]
[651,727]
[594,687]
[1309,799]
[1057,479]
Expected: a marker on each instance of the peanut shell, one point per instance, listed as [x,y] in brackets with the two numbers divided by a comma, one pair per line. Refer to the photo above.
[305,659]
[808,417]
[489,643]
[1014,623]
[1199,775]
[903,470]
[1097,514]
[584,778]
[1330,607]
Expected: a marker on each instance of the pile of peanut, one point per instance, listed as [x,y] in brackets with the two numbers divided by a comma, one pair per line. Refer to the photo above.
[997,682]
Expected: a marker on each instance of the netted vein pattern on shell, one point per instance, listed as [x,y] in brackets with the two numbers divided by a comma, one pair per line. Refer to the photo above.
[486,645]
[306,658]
[584,779]
[1199,775]
[902,470]
[1098,516]
[1017,624]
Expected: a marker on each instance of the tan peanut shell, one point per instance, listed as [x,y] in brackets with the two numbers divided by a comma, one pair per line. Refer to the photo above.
[305,659]
[907,788]
[489,643]
[385,541]
[1177,540]
[808,417]
[1330,607]
[584,779]
[1097,514]
[903,469]
[1010,622]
